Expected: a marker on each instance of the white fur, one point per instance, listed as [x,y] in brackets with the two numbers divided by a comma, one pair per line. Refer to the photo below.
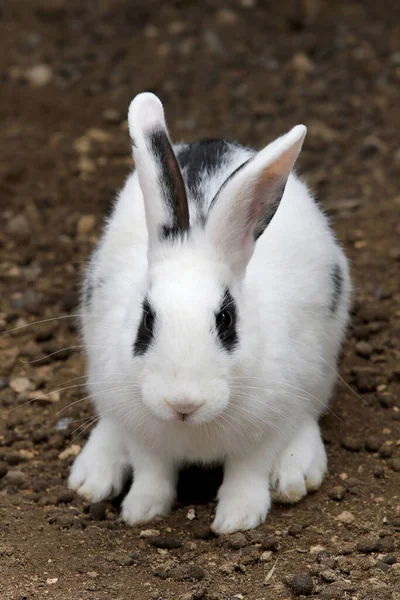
[257,409]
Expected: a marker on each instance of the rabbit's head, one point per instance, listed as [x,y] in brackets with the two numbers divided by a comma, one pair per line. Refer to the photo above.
[187,343]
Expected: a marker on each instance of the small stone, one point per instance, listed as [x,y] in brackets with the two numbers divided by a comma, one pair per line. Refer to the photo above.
[92,574]
[395,464]
[17,478]
[316,550]
[337,493]
[65,497]
[269,543]
[368,544]
[346,517]
[237,540]
[167,542]
[148,533]
[191,514]
[364,349]
[386,451]
[97,511]
[52,581]
[373,443]
[187,573]
[295,529]
[39,436]
[111,116]
[302,63]
[201,531]
[379,472]
[20,384]
[3,470]
[386,545]
[382,566]
[86,224]
[302,585]
[351,443]
[39,75]
[389,559]
[72,450]
[328,575]
[266,556]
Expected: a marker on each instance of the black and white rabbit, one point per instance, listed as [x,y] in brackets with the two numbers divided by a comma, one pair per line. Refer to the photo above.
[213,313]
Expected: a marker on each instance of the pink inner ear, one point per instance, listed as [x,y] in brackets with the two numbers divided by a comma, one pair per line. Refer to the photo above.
[254,213]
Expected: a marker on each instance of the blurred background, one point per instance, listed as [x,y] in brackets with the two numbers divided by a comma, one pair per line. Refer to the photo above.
[241,69]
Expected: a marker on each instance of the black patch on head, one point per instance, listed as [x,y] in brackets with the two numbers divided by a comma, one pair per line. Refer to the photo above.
[267,217]
[145,332]
[225,322]
[337,281]
[200,157]
[231,176]
[171,182]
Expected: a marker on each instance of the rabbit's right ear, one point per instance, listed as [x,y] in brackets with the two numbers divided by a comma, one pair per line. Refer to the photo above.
[160,178]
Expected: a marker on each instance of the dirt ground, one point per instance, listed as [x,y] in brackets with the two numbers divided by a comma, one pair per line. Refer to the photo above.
[242,69]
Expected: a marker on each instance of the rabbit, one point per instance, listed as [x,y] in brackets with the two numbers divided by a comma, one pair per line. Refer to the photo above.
[213,312]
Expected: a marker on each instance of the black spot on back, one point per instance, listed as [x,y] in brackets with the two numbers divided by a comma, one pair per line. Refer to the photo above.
[337,282]
[200,157]
[225,322]
[171,182]
[145,332]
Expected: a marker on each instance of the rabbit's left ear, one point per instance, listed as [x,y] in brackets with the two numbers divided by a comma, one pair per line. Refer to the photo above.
[249,198]
[160,178]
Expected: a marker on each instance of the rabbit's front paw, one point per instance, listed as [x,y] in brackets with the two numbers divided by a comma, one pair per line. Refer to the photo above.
[142,505]
[301,466]
[242,510]
[98,473]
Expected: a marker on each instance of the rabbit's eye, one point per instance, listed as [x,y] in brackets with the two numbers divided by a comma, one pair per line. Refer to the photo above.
[145,332]
[148,320]
[225,322]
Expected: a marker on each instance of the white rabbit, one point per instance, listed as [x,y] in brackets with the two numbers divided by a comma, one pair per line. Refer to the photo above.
[213,312]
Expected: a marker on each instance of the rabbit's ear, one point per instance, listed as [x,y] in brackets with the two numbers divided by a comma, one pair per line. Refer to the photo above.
[160,178]
[249,198]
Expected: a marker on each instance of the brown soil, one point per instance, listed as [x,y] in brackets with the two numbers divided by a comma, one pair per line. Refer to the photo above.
[245,69]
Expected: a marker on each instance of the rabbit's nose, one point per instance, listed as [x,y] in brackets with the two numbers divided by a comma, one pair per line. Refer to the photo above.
[184,408]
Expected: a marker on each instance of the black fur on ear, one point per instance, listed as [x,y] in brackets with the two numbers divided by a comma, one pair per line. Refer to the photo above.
[171,184]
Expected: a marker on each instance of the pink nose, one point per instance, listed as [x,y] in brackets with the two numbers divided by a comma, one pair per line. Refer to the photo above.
[184,408]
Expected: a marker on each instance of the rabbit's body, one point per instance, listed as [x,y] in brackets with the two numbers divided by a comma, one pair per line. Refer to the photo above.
[260,395]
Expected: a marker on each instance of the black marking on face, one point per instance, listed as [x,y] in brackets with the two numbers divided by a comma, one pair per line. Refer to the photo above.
[225,322]
[171,182]
[337,281]
[231,176]
[145,332]
[199,158]
[269,214]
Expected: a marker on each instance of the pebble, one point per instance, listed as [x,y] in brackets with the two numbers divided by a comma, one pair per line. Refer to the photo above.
[266,556]
[147,533]
[125,560]
[351,443]
[39,75]
[302,585]
[65,497]
[328,575]
[395,464]
[364,349]
[72,450]
[269,543]
[237,540]
[86,224]
[346,517]
[201,531]
[97,511]
[3,470]
[39,436]
[373,443]
[295,529]
[302,63]
[379,472]
[20,384]
[187,572]
[389,560]
[17,478]
[337,493]
[191,514]
[167,542]
[386,451]
[367,544]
